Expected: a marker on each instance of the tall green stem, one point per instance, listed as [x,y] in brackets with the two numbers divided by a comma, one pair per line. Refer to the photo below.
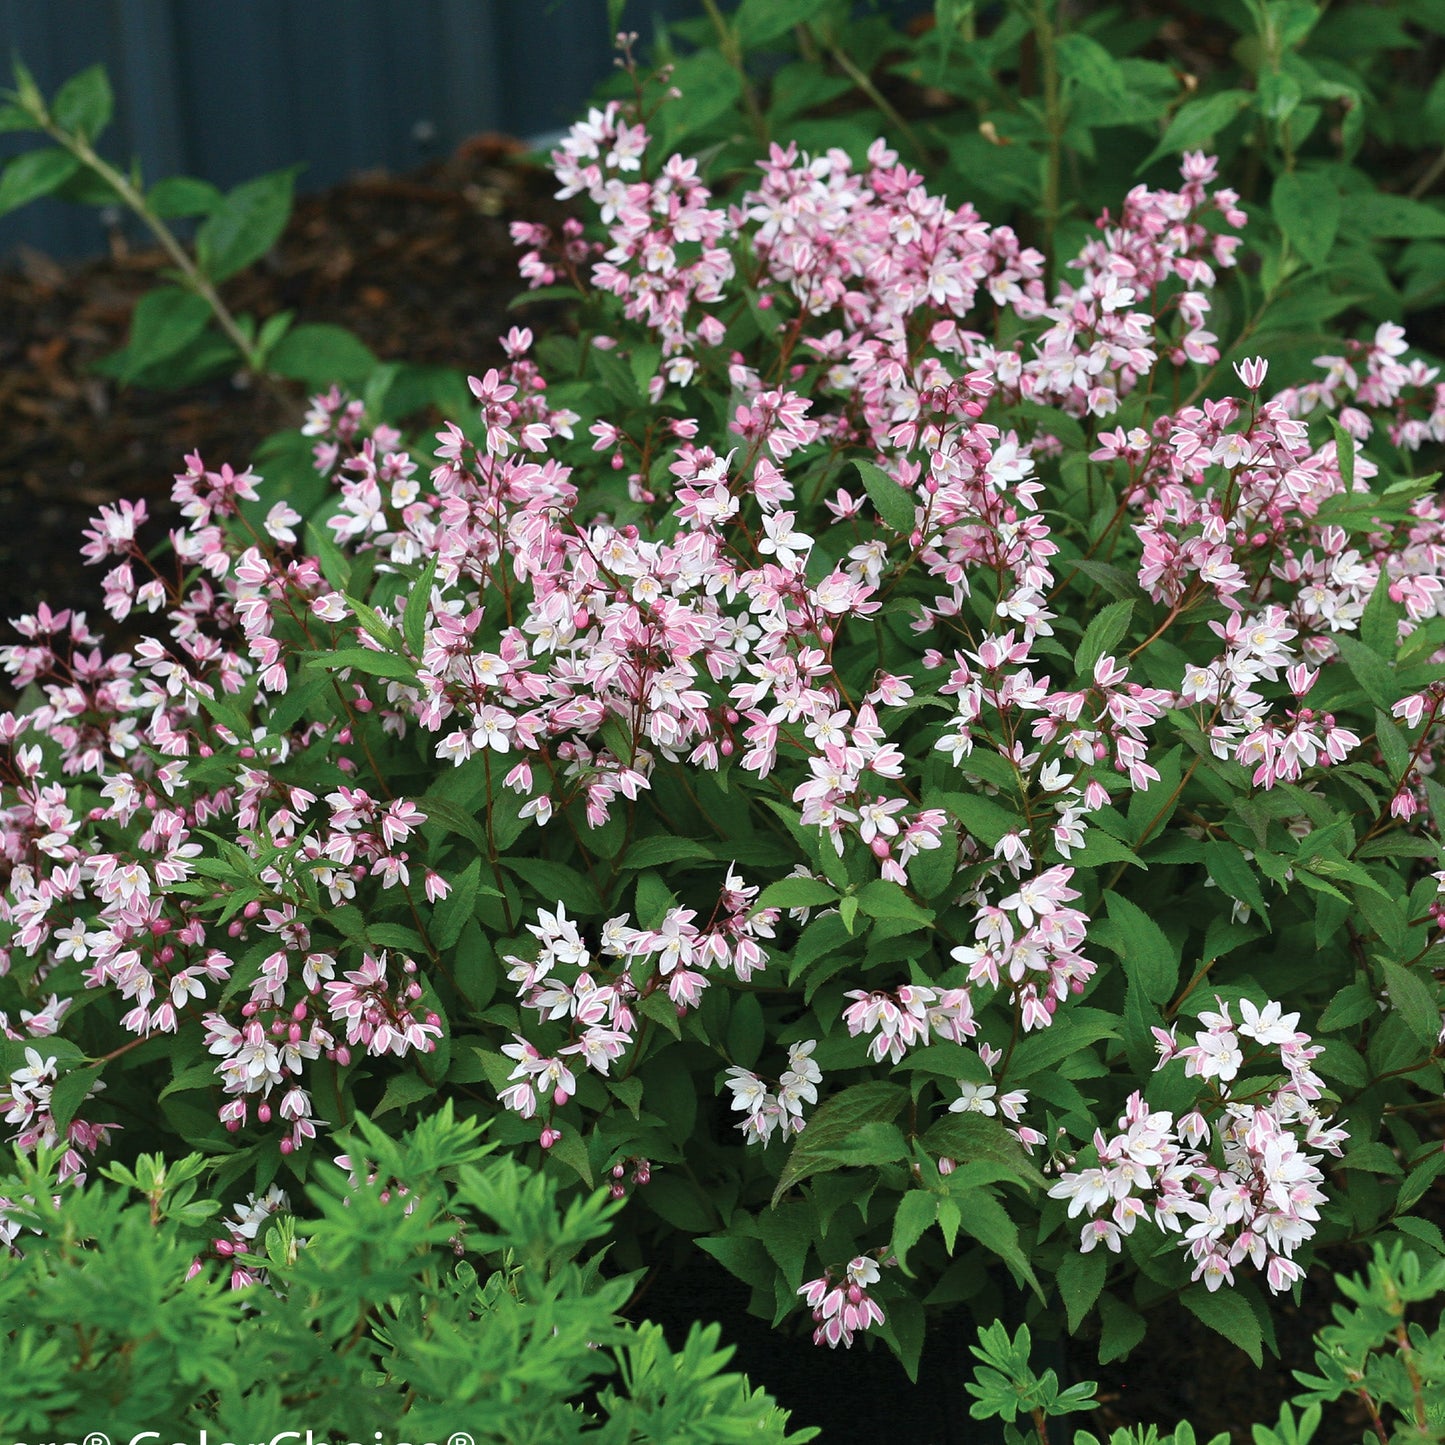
[81,149]
[727,42]
[1046,36]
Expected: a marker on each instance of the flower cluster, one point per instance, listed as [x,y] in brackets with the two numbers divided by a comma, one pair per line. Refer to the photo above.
[843,1308]
[765,1110]
[1262,1200]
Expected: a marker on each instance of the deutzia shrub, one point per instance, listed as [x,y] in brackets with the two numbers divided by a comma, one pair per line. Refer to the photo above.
[884,748]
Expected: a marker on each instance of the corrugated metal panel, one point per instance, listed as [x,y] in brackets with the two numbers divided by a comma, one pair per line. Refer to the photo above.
[227,89]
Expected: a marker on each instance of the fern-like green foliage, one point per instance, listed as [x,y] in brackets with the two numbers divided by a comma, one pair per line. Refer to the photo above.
[1375,1353]
[438,1292]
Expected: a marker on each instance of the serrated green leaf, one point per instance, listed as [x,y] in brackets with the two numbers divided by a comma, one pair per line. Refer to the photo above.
[834,1123]
[1306,207]
[164,321]
[183,196]
[796,893]
[557,883]
[1414,1000]
[970,1136]
[361,659]
[760,21]
[1103,634]
[895,503]
[1080,1278]
[1227,1314]
[1231,872]
[247,223]
[917,1212]
[320,353]
[1145,951]
[1084,60]
[401,1090]
[69,1092]
[83,105]
[1197,122]
[34,174]
[1122,1328]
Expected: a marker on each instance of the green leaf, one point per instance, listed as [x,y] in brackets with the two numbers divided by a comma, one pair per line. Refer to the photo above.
[1073,1030]
[1083,59]
[884,899]
[653,852]
[557,883]
[832,1126]
[787,1231]
[1197,122]
[917,1212]
[970,1136]
[1104,633]
[1080,1278]
[796,893]
[68,1093]
[1370,670]
[320,353]
[183,196]
[1306,207]
[988,1222]
[759,21]
[741,1255]
[895,503]
[1393,746]
[984,818]
[418,604]
[362,659]
[247,223]
[13,118]
[1146,953]
[34,174]
[1227,1314]
[452,912]
[745,1033]
[164,321]
[1420,1178]
[1351,1005]
[401,1090]
[1414,1000]
[83,105]
[1375,213]
[1380,622]
[710,88]
[1123,1328]
[1232,874]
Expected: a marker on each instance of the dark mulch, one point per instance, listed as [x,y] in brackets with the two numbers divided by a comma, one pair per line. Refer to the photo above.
[422,268]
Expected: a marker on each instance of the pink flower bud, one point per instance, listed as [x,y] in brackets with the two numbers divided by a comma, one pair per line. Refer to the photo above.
[549,1137]
[263,1113]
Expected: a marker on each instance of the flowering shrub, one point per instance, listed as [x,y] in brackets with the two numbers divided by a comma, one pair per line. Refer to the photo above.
[817,749]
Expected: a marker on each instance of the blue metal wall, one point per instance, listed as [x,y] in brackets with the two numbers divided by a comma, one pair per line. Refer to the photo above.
[226,89]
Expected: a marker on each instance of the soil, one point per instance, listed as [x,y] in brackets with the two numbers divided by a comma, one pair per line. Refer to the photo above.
[423,269]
